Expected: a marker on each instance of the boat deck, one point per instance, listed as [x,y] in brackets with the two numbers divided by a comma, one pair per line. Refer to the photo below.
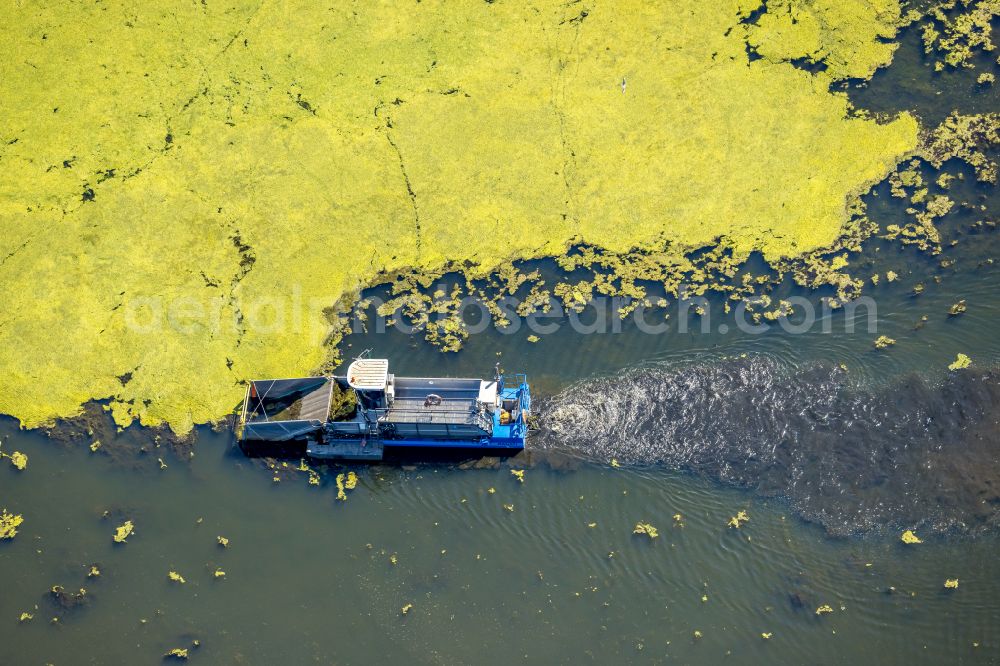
[458,401]
[414,410]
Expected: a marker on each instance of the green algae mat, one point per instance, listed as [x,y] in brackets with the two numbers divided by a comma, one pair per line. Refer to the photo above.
[190,188]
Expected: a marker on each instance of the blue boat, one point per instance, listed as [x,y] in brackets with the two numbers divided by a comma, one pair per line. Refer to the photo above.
[360,415]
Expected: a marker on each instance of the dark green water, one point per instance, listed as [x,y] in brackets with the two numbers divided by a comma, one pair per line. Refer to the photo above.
[312,579]
[309,579]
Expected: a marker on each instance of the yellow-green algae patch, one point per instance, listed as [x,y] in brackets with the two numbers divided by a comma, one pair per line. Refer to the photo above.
[961,362]
[9,522]
[957,29]
[739,519]
[966,138]
[17,459]
[123,532]
[848,37]
[178,175]
[346,482]
[646,529]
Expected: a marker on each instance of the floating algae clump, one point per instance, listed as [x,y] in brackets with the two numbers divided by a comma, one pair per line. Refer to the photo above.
[346,482]
[123,531]
[19,460]
[958,35]
[884,342]
[951,583]
[9,523]
[966,138]
[908,537]
[647,529]
[217,199]
[740,518]
[176,577]
[961,362]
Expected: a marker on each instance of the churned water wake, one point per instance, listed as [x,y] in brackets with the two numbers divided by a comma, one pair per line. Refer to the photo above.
[915,454]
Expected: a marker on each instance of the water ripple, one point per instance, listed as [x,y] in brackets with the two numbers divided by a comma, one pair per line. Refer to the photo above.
[912,453]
